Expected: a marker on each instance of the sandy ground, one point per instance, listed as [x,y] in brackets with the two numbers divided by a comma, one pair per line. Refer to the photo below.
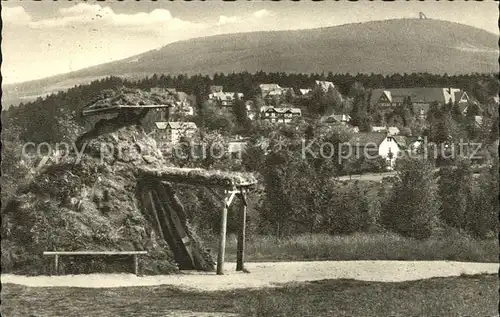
[268,275]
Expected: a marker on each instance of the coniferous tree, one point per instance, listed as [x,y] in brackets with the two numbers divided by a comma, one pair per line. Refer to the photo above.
[455,193]
[412,208]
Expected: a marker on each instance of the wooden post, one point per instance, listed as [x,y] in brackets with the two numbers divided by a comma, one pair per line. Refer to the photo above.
[240,253]
[222,242]
[136,264]
[56,264]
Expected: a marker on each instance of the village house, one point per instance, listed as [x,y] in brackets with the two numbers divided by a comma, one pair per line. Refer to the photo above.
[420,98]
[304,91]
[169,133]
[324,85]
[389,130]
[216,89]
[273,92]
[270,90]
[183,102]
[410,144]
[478,121]
[279,115]
[183,109]
[373,144]
[336,118]
[224,99]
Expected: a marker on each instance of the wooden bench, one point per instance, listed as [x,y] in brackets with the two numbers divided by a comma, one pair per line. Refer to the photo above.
[56,255]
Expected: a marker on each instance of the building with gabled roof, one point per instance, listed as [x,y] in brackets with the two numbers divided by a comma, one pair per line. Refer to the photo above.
[279,114]
[417,96]
[270,91]
[385,129]
[324,85]
[372,145]
[225,99]
[336,118]
[169,133]
[305,91]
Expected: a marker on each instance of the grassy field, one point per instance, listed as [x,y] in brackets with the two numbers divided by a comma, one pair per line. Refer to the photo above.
[458,296]
[362,246]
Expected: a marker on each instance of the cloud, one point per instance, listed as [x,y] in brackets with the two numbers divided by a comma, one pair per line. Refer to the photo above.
[84,9]
[261,13]
[95,15]
[226,20]
[15,15]
[250,18]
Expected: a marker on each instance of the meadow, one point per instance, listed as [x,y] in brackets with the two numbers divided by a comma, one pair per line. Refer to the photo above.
[465,295]
[451,246]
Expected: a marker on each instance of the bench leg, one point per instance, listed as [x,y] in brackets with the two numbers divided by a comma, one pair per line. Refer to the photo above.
[56,264]
[136,265]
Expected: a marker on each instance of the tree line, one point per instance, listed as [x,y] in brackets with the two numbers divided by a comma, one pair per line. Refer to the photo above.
[49,111]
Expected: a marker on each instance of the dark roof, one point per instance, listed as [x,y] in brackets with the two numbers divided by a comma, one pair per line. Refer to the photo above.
[405,141]
[283,110]
[462,107]
[365,138]
[176,125]
[376,94]
[340,118]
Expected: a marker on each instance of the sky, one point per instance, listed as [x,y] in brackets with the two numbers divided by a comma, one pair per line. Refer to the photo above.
[46,38]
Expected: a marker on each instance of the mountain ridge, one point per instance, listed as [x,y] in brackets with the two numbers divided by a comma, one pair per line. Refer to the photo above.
[385,47]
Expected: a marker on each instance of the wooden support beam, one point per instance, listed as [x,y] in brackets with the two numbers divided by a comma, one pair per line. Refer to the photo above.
[240,253]
[56,264]
[243,198]
[136,265]
[222,242]
[230,200]
[150,205]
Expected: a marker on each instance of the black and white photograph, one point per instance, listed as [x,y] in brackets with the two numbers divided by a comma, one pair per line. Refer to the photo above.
[258,158]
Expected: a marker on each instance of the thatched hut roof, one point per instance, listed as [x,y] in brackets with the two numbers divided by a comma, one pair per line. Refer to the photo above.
[124,98]
[202,177]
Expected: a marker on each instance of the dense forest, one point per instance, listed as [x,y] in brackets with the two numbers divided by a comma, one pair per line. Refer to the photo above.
[43,120]
[299,194]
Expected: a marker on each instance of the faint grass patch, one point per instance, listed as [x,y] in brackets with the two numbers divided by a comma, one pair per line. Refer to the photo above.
[451,246]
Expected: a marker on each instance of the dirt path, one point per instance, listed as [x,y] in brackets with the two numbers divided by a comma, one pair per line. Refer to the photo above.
[269,274]
[377,177]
